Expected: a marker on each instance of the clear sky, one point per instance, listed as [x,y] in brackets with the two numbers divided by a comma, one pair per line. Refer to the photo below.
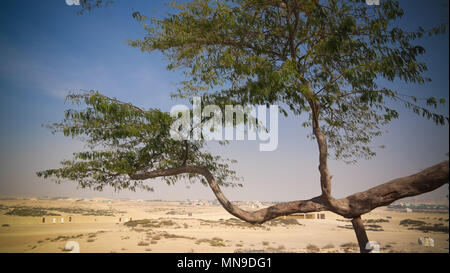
[47,49]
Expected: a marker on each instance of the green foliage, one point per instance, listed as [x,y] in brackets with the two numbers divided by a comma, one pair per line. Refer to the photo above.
[310,56]
[123,140]
[266,52]
[87,5]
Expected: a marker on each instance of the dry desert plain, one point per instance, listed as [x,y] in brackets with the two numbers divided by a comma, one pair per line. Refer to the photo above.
[97,225]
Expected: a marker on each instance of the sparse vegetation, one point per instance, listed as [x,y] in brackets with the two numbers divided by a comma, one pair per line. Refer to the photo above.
[174,236]
[410,222]
[216,241]
[142,243]
[174,212]
[371,227]
[328,246]
[151,223]
[312,248]
[350,245]
[30,211]
[423,226]
[39,211]
[234,222]
[282,221]
[370,221]
[65,238]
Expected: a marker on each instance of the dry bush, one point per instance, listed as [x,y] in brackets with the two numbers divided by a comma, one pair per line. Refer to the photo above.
[312,248]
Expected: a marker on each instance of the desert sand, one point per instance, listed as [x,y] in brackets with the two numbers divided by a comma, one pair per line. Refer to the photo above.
[98,225]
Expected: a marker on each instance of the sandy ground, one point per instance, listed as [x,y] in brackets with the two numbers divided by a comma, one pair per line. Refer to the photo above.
[188,228]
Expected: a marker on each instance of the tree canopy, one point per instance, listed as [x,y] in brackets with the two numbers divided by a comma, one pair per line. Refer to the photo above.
[124,142]
[318,57]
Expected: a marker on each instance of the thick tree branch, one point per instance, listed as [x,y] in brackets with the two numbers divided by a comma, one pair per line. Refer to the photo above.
[361,235]
[425,181]
[325,177]
[255,217]
[352,206]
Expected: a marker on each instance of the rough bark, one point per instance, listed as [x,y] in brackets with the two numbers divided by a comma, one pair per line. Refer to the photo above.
[361,235]
[350,207]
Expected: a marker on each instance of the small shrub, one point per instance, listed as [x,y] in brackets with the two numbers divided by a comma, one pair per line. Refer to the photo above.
[312,248]
[350,245]
[328,246]
[142,243]
[409,222]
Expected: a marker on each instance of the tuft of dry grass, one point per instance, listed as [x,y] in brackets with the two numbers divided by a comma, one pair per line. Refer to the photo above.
[328,246]
[350,245]
[149,223]
[216,241]
[312,248]
[142,243]
[285,222]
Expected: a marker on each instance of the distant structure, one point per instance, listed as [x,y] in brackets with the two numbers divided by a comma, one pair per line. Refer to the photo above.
[309,215]
[407,207]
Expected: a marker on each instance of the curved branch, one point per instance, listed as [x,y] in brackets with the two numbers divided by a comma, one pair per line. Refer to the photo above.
[262,215]
[254,217]
[350,207]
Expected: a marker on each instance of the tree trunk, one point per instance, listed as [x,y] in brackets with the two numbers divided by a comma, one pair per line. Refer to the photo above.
[361,235]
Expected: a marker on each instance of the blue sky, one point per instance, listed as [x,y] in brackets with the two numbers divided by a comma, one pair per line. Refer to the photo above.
[47,49]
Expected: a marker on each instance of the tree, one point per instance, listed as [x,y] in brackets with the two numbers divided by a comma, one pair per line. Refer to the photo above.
[323,58]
